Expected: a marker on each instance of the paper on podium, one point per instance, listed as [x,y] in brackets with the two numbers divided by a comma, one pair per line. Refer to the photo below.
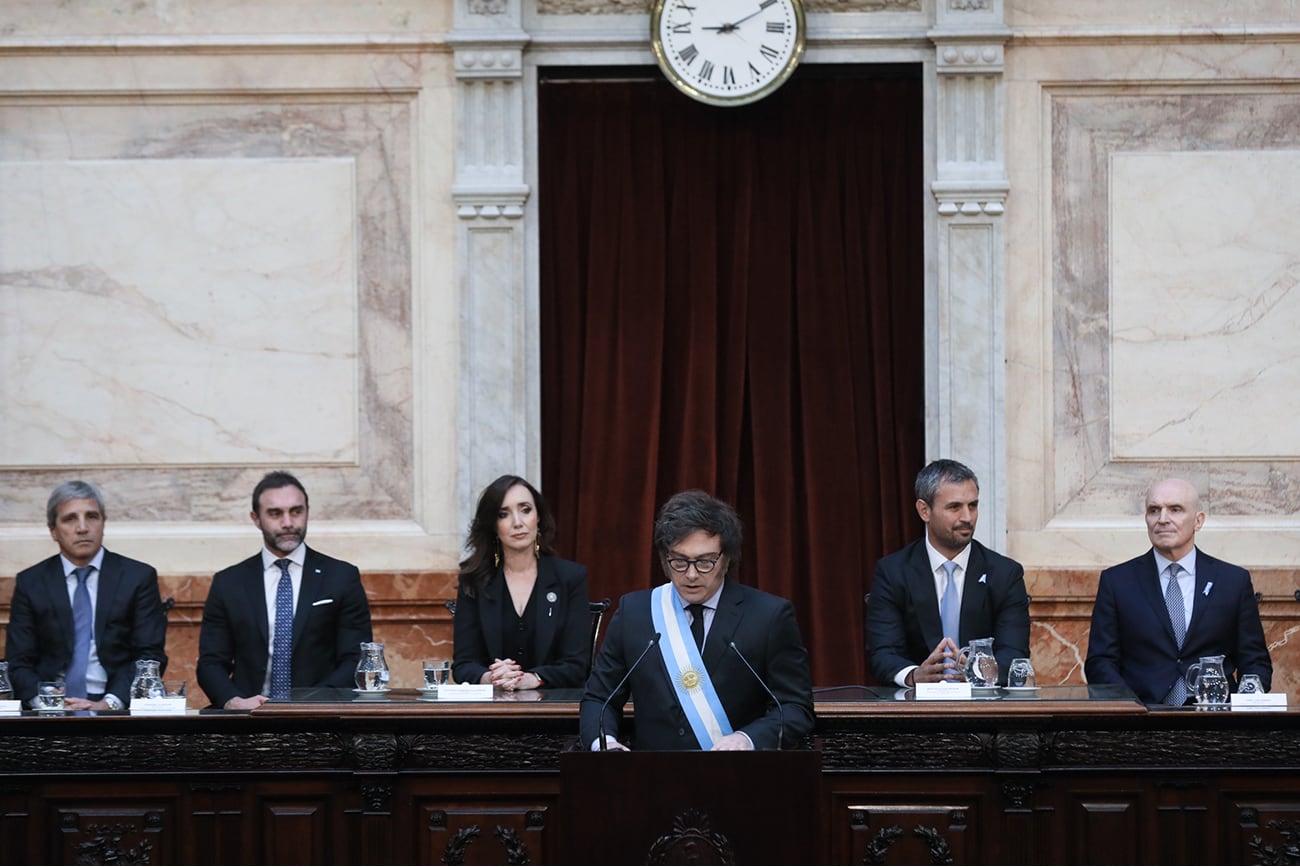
[170,706]
[11,705]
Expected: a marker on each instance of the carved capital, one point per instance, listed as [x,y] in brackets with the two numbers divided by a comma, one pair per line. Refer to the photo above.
[971,199]
[966,58]
[502,59]
[490,203]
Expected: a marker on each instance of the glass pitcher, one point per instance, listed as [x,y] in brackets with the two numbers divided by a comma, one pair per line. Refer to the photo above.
[6,688]
[372,668]
[981,664]
[1207,681]
[148,680]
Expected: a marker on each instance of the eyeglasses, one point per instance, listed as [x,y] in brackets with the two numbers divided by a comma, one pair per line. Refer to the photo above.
[703,565]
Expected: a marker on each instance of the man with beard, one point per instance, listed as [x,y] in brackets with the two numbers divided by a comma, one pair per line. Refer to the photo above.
[945,589]
[286,617]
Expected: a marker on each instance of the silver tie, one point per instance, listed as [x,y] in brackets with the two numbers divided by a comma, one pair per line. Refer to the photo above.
[1178,619]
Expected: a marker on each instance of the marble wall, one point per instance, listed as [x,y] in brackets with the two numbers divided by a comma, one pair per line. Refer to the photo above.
[300,234]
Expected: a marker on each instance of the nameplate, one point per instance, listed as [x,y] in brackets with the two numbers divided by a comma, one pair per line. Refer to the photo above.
[465,692]
[943,691]
[158,706]
[11,706]
[1259,701]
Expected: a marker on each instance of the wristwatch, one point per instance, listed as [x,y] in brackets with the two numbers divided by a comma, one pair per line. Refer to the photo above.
[113,702]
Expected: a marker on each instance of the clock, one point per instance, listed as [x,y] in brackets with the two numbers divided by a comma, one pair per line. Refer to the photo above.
[727,52]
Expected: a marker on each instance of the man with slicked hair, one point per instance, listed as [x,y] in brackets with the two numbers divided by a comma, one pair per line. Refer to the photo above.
[287,617]
[934,596]
[85,615]
[1157,614]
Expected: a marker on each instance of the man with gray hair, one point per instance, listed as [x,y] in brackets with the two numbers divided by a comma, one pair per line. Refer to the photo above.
[86,614]
[945,589]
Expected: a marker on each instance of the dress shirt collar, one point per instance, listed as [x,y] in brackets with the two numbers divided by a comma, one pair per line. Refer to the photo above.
[97,561]
[298,556]
[1188,562]
[937,560]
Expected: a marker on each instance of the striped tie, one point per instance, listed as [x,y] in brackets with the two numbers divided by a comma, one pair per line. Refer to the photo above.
[1178,619]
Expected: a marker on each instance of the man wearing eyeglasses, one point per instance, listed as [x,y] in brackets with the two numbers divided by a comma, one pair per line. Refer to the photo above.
[702,651]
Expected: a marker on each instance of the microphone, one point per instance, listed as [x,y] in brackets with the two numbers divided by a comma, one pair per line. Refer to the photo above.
[780,712]
[653,641]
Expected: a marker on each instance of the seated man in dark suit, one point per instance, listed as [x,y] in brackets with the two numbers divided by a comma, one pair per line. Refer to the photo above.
[1158,613]
[945,589]
[286,617]
[86,614]
[695,690]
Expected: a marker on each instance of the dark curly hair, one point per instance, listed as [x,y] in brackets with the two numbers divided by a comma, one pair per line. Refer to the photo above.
[691,511]
[478,568]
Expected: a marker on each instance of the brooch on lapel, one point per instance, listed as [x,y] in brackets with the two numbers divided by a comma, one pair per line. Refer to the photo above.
[984,579]
[1206,591]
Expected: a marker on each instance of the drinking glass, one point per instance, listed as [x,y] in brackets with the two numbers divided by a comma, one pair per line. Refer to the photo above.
[437,672]
[49,696]
[1021,673]
[174,688]
[1250,683]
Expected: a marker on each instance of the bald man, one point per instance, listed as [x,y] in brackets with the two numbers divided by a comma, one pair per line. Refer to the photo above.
[1146,632]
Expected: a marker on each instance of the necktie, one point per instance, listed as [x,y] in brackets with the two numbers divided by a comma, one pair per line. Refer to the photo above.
[697,623]
[282,647]
[949,606]
[1178,619]
[83,628]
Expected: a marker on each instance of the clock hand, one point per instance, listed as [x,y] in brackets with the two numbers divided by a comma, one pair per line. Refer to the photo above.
[730,28]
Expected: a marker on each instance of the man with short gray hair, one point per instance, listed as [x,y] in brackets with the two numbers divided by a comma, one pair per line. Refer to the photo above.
[86,614]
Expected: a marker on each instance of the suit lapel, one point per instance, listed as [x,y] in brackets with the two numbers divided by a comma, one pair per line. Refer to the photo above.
[726,620]
[546,597]
[255,593]
[921,581]
[56,584]
[974,592]
[1150,584]
[110,580]
[309,591]
[1205,572]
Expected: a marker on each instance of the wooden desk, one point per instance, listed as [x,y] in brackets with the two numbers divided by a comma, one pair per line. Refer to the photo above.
[1088,776]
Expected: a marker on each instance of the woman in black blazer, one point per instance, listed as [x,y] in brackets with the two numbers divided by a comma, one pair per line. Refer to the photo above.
[521,613]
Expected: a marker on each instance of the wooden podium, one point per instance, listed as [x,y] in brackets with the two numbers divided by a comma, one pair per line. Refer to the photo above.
[691,808]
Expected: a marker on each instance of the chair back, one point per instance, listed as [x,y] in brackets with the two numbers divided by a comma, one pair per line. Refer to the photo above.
[597,611]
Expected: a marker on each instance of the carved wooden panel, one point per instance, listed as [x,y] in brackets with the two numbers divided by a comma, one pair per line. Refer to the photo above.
[481,830]
[114,831]
[935,823]
[1262,825]
[292,827]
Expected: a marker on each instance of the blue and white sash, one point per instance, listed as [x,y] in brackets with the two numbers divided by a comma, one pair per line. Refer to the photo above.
[686,669]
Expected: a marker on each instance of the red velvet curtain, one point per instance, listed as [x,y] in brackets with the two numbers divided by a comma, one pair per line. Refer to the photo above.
[732,299]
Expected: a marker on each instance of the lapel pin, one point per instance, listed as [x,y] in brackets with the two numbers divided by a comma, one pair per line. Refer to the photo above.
[1208,585]
[984,579]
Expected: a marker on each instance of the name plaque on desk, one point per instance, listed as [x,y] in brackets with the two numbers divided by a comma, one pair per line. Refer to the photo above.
[465,692]
[1259,701]
[943,691]
[11,705]
[170,706]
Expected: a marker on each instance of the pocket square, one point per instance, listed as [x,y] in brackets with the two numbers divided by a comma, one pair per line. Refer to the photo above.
[321,602]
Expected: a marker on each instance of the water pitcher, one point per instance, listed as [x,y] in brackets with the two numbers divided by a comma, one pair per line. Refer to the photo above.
[981,664]
[1207,681]
[372,668]
[6,688]
[148,679]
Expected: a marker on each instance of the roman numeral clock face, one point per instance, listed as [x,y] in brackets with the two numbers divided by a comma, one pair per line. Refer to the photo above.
[727,52]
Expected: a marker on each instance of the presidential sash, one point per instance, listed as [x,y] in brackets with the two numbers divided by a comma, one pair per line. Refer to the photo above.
[695,692]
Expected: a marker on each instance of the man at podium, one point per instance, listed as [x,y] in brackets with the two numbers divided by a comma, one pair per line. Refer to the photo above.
[709,663]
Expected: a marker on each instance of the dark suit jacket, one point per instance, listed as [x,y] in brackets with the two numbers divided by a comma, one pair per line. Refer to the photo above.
[1132,641]
[129,624]
[234,639]
[764,629]
[561,629]
[903,625]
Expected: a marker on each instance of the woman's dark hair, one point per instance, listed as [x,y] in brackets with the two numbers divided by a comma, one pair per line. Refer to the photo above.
[482,542]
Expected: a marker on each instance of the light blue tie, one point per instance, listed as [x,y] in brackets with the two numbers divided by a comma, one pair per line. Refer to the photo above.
[83,627]
[1177,695]
[282,647]
[949,606]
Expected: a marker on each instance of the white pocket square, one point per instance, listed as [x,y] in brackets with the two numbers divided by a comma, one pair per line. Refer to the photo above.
[321,602]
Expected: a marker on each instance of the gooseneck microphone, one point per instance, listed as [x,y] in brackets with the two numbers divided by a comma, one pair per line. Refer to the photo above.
[653,641]
[780,711]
